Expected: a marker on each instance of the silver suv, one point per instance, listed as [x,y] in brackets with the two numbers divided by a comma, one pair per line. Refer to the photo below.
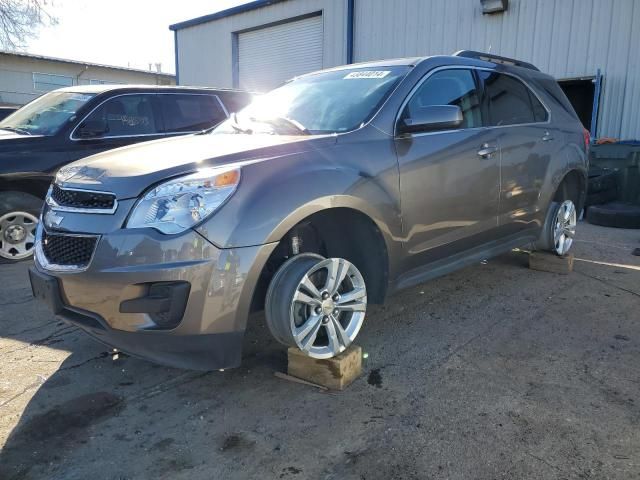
[329,193]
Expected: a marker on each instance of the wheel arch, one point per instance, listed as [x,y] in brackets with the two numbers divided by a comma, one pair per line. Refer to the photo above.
[324,231]
[331,203]
[34,185]
[16,199]
[572,185]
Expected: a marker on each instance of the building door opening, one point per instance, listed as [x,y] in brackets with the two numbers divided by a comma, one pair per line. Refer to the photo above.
[581,93]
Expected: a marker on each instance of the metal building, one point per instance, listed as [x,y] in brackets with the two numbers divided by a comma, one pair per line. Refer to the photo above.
[263,43]
[24,76]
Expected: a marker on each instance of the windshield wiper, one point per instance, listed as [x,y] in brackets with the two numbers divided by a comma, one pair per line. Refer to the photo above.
[233,123]
[17,130]
[280,121]
[208,130]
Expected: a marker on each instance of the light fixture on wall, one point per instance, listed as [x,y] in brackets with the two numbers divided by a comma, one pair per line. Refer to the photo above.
[494,6]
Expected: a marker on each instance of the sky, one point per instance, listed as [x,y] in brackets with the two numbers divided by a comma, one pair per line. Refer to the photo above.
[126,33]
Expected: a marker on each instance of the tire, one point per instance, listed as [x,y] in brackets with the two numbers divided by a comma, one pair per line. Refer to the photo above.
[316,304]
[559,228]
[598,198]
[617,215]
[19,213]
[604,181]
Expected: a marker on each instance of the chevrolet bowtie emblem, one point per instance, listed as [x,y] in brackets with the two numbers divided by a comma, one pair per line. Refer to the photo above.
[51,219]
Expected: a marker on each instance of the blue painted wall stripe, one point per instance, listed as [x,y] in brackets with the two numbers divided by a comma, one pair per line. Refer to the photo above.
[175,46]
[350,29]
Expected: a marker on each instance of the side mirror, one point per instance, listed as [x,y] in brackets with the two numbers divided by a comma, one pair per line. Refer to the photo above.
[432,117]
[92,129]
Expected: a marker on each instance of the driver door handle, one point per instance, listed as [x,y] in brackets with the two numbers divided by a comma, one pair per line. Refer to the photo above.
[547,137]
[487,150]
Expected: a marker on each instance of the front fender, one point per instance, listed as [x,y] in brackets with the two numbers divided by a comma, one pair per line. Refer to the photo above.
[276,194]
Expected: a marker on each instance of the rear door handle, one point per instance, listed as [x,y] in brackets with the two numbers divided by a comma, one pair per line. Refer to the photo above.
[547,137]
[487,150]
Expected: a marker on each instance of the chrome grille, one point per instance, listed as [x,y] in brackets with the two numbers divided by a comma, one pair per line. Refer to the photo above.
[73,199]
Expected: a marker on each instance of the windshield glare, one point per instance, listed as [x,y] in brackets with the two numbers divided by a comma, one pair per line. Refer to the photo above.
[322,103]
[47,114]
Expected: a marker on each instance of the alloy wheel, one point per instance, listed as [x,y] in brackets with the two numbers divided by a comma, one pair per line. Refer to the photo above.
[316,304]
[564,229]
[328,308]
[17,235]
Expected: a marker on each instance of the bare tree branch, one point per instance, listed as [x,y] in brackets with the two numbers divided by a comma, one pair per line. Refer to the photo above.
[20,20]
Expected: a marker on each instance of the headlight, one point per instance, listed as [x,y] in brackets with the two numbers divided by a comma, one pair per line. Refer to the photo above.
[181,203]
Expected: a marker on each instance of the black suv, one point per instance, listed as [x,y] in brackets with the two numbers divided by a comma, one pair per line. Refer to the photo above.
[70,123]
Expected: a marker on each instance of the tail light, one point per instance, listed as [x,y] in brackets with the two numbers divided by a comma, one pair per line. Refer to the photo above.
[587,139]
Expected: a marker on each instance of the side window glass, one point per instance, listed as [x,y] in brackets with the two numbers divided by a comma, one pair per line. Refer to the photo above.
[449,87]
[190,113]
[125,115]
[539,112]
[510,102]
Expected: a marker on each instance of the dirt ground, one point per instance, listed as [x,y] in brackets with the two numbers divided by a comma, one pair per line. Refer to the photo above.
[495,371]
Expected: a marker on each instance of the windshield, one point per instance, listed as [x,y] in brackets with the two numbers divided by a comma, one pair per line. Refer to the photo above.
[322,103]
[46,114]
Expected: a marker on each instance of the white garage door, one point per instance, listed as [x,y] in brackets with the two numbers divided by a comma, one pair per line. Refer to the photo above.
[269,56]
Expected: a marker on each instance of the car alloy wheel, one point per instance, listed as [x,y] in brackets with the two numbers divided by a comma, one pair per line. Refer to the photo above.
[564,228]
[17,235]
[317,305]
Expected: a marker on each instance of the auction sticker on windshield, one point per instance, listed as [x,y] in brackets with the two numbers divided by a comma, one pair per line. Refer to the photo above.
[368,74]
[80,97]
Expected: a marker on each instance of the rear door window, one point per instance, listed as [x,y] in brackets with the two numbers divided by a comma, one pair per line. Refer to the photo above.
[510,102]
[190,113]
[126,115]
[449,87]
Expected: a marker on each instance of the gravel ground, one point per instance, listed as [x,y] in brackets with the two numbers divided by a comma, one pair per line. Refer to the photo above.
[495,371]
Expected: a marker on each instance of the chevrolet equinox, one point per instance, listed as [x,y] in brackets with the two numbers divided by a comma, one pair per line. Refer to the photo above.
[320,197]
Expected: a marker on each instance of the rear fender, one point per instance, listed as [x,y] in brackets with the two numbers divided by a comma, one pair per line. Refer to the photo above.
[571,158]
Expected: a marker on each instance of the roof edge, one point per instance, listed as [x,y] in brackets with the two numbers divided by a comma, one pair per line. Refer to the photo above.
[245,7]
[47,58]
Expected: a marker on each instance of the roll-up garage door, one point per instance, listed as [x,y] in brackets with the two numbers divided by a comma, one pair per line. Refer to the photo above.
[269,56]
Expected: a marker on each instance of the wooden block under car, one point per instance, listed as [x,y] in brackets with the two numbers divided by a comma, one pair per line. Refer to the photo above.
[548,262]
[335,373]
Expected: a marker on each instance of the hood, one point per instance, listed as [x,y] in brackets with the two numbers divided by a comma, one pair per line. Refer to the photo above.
[129,171]
[9,135]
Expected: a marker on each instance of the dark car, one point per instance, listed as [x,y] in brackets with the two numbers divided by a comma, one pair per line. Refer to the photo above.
[322,196]
[6,111]
[70,123]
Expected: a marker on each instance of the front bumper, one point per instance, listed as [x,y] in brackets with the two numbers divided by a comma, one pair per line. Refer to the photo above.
[109,298]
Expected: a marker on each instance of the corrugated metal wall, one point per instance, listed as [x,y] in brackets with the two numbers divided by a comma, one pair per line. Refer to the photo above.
[206,51]
[566,38]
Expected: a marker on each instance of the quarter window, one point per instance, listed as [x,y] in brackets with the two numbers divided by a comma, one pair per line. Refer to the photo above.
[510,101]
[126,115]
[539,112]
[190,113]
[449,87]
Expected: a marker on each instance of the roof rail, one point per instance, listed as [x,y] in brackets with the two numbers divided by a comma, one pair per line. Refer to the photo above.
[488,57]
